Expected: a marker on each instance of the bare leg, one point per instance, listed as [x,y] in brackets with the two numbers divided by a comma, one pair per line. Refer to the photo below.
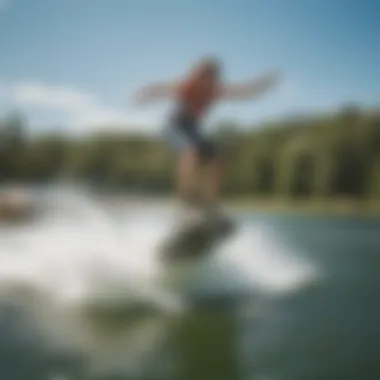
[213,181]
[187,175]
[212,188]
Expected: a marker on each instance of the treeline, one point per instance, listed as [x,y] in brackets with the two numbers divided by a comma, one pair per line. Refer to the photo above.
[315,156]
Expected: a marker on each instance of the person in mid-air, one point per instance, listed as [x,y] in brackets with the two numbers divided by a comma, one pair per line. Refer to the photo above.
[193,96]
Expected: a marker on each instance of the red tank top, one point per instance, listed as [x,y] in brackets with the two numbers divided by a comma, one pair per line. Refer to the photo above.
[196,97]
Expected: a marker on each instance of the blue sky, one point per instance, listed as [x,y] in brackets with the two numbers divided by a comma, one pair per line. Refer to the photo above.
[74,64]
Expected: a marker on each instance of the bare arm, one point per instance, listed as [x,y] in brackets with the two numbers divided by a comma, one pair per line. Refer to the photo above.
[251,89]
[155,92]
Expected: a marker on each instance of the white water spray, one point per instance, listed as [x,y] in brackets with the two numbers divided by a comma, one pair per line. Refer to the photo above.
[77,258]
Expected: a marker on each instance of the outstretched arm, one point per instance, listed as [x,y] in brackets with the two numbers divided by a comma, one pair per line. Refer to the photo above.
[251,89]
[155,92]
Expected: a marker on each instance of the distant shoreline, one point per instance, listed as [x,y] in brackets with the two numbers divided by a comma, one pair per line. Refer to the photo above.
[322,207]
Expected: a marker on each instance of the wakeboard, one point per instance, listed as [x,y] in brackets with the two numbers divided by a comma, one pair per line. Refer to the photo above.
[195,240]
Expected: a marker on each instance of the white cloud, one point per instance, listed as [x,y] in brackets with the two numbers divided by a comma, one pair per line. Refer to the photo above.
[99,115]
[82,111]
[2,89]
[48,96]
[103,117]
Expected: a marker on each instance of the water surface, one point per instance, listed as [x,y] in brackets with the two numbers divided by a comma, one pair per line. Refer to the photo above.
[286,298]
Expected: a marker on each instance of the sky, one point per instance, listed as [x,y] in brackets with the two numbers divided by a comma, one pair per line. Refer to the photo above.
[74,65]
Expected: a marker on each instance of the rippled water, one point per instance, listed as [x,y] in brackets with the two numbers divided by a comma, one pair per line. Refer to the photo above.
[85,296]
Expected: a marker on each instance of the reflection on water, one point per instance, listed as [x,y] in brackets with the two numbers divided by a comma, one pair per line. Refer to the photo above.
[330,331]
[84,296]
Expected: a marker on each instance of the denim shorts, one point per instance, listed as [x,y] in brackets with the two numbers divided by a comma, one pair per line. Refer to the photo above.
[180,139]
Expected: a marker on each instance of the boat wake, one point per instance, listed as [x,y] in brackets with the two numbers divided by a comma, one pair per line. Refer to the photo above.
[95,283]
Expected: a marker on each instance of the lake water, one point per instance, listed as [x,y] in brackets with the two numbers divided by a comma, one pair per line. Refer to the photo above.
[83,296]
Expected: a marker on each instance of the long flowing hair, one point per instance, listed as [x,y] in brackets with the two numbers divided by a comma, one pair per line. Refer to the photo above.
[207,66]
